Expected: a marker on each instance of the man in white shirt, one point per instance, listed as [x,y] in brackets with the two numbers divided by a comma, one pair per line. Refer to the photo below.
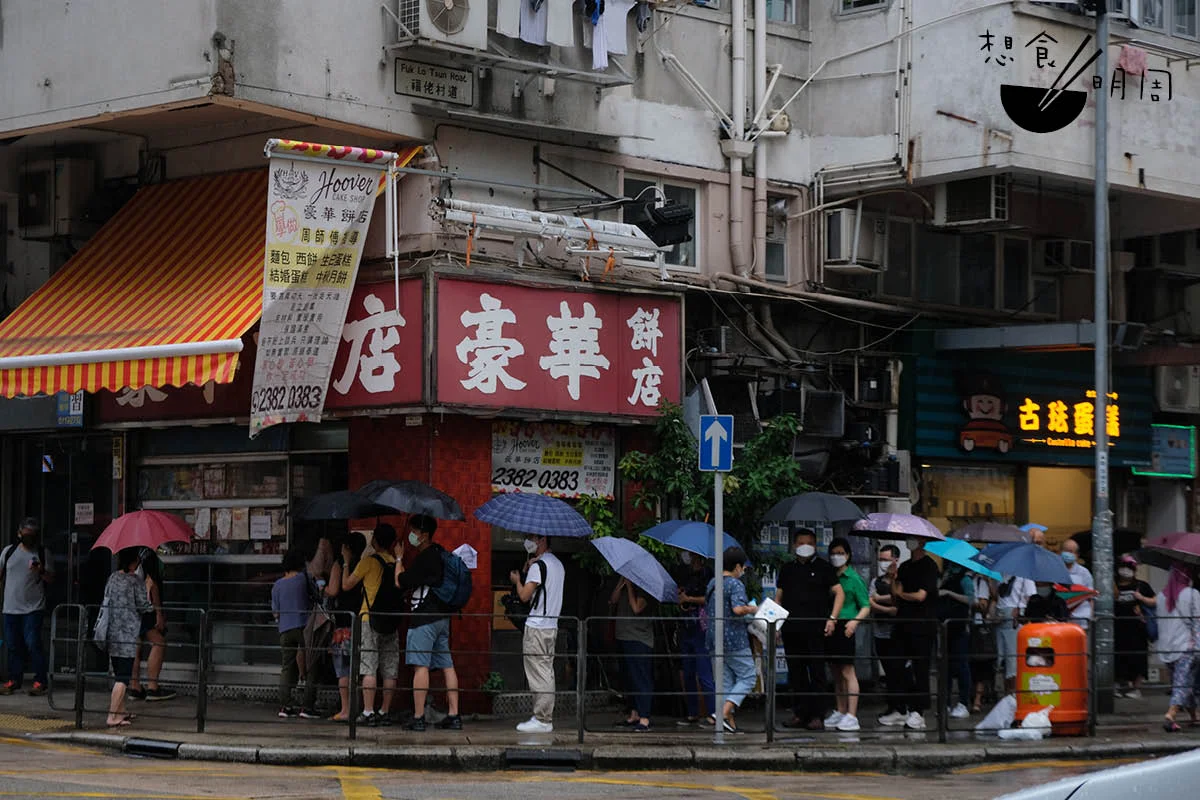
[1011,598]
[542,588]
[1081,576]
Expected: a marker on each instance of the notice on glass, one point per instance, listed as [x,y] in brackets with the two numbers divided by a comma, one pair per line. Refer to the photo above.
[224,523]
[203,524]
[260,526]
[239,525]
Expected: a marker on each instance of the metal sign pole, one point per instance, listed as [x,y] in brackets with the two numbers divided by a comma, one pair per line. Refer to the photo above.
[719,597]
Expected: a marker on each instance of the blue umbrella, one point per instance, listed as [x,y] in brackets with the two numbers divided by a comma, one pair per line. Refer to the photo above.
[1025,560]
[631,560]
[962,553]
[534,513]
[695,537]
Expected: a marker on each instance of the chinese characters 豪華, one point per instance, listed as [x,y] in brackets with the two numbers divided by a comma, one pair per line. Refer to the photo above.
[379,332]
[1077,418]
[574,347]
[490,352]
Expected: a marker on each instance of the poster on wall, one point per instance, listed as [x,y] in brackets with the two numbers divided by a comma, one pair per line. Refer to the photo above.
[319,204]
[553,459]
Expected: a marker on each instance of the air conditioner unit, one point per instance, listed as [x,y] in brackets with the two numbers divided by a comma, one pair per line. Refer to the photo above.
[841,255]
[1177,389]
[459,22]
[1065,255]
[53,198]
[973,201]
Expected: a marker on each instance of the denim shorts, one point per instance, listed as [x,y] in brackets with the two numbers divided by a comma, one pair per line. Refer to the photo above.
[340,650]
[428,645]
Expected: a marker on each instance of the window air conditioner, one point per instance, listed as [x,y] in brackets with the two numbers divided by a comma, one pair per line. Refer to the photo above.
[840,254]
[973,201]
[53,198]
[457,22]
[1177,389]
[1065,255]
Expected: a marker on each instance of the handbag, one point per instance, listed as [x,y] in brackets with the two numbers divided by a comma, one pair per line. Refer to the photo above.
[1150,617]
[100,630]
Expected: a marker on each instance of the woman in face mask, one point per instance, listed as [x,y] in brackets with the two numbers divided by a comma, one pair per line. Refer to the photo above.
[1178,637]
[840,647]
[1046,606]
[1129,629]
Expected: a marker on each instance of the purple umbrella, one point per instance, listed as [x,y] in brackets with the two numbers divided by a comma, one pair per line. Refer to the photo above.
[896,526]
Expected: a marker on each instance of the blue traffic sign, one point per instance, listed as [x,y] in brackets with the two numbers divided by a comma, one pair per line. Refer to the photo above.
[716,443]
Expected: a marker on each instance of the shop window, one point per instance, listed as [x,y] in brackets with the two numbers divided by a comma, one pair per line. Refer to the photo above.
[953,496]
[775,260]
[1016,262]
[683,255]
[1184,21]
[852,6]
[977,270]
[897,278]
[1152,14]
[781,11]
[937,267]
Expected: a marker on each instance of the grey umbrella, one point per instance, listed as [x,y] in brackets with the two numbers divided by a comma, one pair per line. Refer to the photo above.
[814,507]
[412,497]
[991,533]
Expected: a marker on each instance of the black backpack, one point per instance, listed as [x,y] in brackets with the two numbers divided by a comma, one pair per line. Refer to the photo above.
[389,601]
[516,610]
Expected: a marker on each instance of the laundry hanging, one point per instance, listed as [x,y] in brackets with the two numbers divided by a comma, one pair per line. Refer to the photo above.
[616,25]
[560,22]
[595,32]
[533,21]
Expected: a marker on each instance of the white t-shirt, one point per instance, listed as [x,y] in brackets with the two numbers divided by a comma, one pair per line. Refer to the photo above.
[1081,575]
[1178,629]
[983,591]
[1022,590]
[548,605]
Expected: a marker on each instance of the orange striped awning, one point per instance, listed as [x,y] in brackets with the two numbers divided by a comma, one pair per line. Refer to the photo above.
[161,296]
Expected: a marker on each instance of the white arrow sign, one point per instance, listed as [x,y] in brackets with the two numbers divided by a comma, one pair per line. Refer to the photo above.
[715,435]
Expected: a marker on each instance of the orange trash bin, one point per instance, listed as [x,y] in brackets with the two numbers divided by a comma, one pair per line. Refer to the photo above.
[1052,670]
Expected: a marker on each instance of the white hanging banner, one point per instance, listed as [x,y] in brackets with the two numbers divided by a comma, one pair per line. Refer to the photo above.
[319,204]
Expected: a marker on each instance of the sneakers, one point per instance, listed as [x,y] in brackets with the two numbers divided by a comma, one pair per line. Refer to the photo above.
[136,694]
[915,721]
[415,724]
[370,720]
[959,712]
[1135,694]
[305,714]
[892,720]
[8,688]
[162,694]
[535,725]
[450,723]
[848,723]
[287,712]
[833,719]
[39,689]
[728,727]
[687,723]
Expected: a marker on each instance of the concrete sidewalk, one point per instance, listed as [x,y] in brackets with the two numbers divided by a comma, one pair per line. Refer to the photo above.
[251,733]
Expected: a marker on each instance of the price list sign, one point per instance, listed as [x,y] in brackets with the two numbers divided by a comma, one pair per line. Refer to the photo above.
[319,206]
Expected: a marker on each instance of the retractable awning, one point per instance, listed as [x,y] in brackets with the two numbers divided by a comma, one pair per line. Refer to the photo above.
[161,296]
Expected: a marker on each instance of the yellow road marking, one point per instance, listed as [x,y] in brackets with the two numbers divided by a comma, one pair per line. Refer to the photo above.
[739,791]
[355,786]
[988,769]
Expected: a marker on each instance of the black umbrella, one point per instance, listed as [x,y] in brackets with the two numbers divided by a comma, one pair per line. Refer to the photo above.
[1125,540]
[412,497]
[339,505]
[814,507]
[991,533]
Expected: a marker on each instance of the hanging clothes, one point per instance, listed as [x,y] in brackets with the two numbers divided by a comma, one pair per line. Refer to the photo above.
[595,32]
[616,27]
[508,18]
[533,21]
[644,15]
[560,22]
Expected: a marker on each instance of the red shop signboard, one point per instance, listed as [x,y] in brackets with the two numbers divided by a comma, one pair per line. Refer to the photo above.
[509,346]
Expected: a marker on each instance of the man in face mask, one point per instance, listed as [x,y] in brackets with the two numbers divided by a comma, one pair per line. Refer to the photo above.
[25,573]
[1082,576]
[916,592]
[542,587]
[883,610]
[428,644]
[1046,606]
[808,588]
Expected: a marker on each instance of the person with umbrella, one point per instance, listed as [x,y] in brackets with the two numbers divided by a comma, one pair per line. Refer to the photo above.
[125,601]
[346,603]
[1080,576]
[883,610]
[542,588]
[809,590]
[635,636]
[916,593]
[1045,605]
[1178,638]
[1130,637]
[693,652]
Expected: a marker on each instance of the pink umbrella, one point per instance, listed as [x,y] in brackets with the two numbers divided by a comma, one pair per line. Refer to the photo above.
[897,526]
[143,529]
[1162,550]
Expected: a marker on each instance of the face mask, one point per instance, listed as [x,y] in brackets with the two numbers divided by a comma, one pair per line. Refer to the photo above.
[1068,558]
[806,551]
[29,540]
[686,558]
[1044,591]
[838,561]
[413,539]
[884,566]
[1125,572]
[530,546]
[915,544]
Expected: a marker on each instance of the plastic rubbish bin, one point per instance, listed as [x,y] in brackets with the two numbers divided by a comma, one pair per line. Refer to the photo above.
[1052,670]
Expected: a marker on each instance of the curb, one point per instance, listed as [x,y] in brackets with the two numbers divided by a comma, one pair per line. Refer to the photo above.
[476,758]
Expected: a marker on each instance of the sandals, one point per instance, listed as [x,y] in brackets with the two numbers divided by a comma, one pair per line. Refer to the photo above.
[1171,726]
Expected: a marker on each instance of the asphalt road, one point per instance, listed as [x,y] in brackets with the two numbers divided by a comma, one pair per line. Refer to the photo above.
[38,770]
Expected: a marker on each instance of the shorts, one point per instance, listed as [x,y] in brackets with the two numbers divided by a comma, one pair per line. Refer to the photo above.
[339,649]
[148,622]
[428,645]
[380,653]
[122,669]
[840,650]
[1006,647]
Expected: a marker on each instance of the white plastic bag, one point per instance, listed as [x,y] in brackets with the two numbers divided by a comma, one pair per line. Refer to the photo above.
[1038,720]
[771,612]
[1000,717]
